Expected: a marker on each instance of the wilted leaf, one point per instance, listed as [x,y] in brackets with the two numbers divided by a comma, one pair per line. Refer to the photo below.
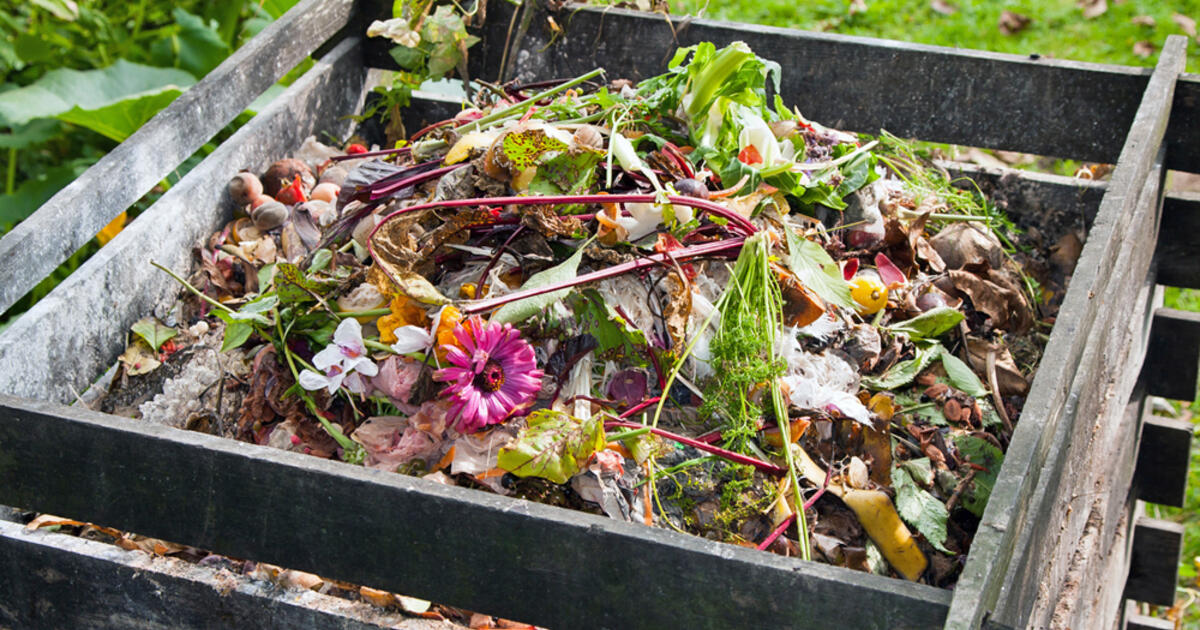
[817,271]
[1143,48]
[920,509]
[415,286]
[929,324]
[524,309]
[138,358]
[1185,23]
[553,446]
[1013,23]
[961,376]
[63,89]
[153,331]
[984,454]
[879,518]
[1143,20]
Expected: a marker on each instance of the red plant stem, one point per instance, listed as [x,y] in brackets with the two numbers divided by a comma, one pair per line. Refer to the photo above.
[680,255]
[640,406]
[355,156]
[762,546]
[413,181]
[737,458]
[711,437]
[426,130]
[743,223]
[809,503]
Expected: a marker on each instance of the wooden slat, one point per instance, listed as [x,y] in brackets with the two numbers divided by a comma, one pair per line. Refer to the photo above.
[521,560]
[76,213]
[59,581]
[1142,622]
[1173,360]
[1178,243]
[1154,566]
[77,331]
[1164,453]
[1076,359]
[1042,106]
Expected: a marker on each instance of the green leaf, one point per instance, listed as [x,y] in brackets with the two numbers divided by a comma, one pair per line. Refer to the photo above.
[33,49]
[905,371]
[32,193]
[929,324]
[615,338]
[119,120]
[565,172]
[961,376]
[920,469]
[320,260]
[920,509]
[63,89]
[153,331]
[521,310]
[817,271]
[31,133]
[982,453]
[61,9]
[236,332]
[194,46]
[552,446]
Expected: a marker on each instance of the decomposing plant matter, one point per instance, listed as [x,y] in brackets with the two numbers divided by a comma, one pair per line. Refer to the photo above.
[675,303]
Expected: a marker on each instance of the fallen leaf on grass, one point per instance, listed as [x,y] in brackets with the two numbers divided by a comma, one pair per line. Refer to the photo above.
[1185,23]
[1013,23]
[1093,8]
[1143,20]
[857,6]
[1143,48]
[943,7]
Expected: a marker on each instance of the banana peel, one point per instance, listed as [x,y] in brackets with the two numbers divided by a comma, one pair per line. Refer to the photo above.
[879,518]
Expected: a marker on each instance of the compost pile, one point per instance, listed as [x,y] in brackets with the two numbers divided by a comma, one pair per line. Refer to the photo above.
[676,303]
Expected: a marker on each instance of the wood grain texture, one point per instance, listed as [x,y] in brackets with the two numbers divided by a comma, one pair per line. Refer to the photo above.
[1154,565]
[77,331]
[1173,360]
[1164,454]
[1082,365]
[76,213]
[59,581]
[1142,622]
[521,560]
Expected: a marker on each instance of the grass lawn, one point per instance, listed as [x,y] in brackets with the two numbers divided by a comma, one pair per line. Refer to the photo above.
[1056,29]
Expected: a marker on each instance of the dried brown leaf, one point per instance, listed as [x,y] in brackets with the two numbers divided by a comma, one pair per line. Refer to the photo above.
[943,7]
[1093,8]
[1144,48]
[1185,23]
[1012,23]
[1143,20]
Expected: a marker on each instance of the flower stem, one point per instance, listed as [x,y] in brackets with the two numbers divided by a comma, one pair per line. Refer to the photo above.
[736,458]
[519,108]
[375,312]
[193,289]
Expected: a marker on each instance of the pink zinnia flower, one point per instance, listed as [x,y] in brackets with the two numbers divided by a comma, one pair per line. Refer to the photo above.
[493,374]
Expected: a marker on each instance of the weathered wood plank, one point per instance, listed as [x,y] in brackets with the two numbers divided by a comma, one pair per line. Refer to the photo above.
[1164,453]
[1154,565]
[77,331]
[1023,494]
[73,216]
[517,559]
[1142,622]
[1178,247]
[1173,360]
[59,581]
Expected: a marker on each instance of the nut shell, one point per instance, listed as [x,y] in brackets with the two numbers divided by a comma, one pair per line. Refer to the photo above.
[245,188]
[269,215]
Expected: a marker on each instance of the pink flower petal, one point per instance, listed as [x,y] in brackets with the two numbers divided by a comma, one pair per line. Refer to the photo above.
[889,272]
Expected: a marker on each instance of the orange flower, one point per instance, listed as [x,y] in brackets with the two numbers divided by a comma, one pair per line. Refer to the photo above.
[444,330]
[405,312]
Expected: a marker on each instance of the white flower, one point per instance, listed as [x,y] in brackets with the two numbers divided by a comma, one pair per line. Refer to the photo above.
[343,360]
[757,133]
[416,339]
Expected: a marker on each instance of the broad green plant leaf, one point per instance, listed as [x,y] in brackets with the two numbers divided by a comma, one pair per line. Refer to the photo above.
[31,133]
[119,120]
[552,446]
[929,324]
[236,331]
[153,331]
[817,271]
[32,193]
[521,310]
[961,376]
[920,509]
[194,45]
[63,89]
[65,10]
[984,454]
[616,339]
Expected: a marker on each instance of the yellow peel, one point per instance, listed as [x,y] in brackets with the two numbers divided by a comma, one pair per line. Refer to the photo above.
[879,518]
[467,144]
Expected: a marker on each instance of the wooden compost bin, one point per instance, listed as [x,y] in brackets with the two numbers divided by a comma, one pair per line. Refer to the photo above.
[1056,545]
